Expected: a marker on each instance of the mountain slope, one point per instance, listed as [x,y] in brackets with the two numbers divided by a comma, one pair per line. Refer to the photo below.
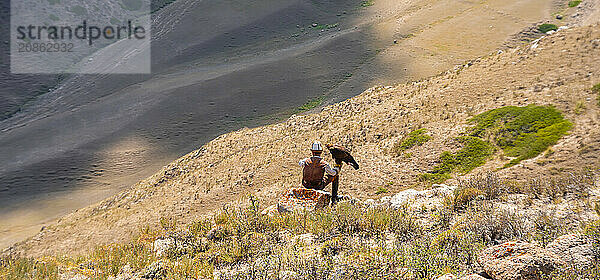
[559,70]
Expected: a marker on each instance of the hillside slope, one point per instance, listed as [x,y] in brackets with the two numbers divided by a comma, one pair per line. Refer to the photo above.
[559,70]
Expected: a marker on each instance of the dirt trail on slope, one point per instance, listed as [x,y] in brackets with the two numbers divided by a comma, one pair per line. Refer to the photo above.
[155,121]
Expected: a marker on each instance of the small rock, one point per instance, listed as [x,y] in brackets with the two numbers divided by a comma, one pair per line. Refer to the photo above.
[155,270]
[559,16]
[306,239]
[216,233]
[300,199]
[162,246]
[315,25]
[234,272]
[473,277]
[518,261]
[288,275]
[270,211]
[71,276]
[448,276]
[575,249]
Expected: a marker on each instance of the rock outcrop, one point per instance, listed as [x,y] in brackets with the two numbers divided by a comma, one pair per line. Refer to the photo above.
[301,199]
[518,261]
[574,249]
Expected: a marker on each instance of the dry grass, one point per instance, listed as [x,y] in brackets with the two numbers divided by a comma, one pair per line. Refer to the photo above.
[351,240]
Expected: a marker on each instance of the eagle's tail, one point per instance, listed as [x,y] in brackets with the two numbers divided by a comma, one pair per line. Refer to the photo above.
[352,162]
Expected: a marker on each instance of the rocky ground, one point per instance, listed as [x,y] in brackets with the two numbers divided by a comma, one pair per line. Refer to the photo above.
[478,229]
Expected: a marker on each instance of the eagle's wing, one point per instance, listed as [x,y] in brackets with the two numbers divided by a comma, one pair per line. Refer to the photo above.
[340,154]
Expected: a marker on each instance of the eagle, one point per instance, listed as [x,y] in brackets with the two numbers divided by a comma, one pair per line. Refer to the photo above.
[340,154]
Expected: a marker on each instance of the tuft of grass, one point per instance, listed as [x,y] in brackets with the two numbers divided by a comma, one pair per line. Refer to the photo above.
[574,3]
[311,104]
[367,3]
[474,153]
[381,190]
[521,132]
[414,138]
[544,28]
[580,107]
[596,89]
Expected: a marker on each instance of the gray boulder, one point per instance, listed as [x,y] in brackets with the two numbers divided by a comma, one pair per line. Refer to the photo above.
[574,249]
[518,261]
[162,246]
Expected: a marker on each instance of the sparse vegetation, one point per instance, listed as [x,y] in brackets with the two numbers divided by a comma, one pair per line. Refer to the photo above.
[367,3]
[580,107]
[358,241]
[414,138]
[311,104]
[574,3]
[326,26]
[521,132]
[381,190]
[544,28]
[596,89]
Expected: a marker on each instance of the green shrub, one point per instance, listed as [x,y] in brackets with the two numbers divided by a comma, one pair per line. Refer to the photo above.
[473,154]
[574,3]
[414,138]
[544,28]
[521,132]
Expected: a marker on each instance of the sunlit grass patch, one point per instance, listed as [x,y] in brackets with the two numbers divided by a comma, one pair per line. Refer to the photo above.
[414,138]
[521,132]
[546,27]
[474,153]
[574,3]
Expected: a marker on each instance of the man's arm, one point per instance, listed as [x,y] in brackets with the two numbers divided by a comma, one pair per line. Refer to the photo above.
[331,171]
[302,162]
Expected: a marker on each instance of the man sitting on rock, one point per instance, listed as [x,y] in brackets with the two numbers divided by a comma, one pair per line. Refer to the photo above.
[317,173]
